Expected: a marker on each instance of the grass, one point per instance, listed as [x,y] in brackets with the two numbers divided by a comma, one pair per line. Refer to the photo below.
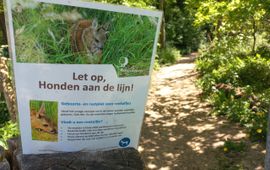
[37,135]
[51,112]
[50,107]
[136,41]
[43,36]
[169,55]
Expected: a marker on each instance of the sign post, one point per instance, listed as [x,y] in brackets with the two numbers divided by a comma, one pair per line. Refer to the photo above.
[82,73]
[267,157]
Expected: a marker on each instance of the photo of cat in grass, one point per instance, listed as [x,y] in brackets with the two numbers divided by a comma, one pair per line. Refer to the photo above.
[51,33]
[44,118]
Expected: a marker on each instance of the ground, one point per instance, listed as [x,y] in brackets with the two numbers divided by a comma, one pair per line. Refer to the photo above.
[179,133]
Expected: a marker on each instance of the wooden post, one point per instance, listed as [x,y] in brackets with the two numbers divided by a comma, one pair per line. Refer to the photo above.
[267,158]
[162,29]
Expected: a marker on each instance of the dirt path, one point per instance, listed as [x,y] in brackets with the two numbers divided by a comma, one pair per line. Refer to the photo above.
[179,134]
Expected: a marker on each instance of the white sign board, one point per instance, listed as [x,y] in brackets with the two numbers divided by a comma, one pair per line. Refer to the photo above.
[81,73]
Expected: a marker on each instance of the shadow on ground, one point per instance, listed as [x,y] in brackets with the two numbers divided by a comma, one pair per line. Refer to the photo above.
[179,133]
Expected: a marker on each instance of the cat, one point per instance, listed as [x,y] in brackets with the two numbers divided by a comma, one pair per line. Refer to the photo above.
[88,38]
[41,122]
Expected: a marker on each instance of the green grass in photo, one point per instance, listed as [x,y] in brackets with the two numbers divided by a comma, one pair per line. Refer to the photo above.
[43,35]
[37,135]
[51,108]
[44,120]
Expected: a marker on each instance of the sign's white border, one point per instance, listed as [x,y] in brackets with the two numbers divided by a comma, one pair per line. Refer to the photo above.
[104,6]
[82,4]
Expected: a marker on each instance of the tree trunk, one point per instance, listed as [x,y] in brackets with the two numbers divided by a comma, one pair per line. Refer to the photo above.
[254,36]
[217,29]
[162,31]
[219,24]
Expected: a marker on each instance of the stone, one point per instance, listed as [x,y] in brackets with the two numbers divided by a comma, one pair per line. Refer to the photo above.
[4,165]
[2,153]
[12,146]
[118,159]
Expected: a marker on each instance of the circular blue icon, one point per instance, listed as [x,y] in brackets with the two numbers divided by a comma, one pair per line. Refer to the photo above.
[124,142]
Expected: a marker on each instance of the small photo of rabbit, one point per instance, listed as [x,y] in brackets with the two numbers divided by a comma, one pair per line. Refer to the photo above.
[44,120]
[51,33]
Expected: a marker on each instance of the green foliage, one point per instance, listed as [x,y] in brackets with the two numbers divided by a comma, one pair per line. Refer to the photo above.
[1,6]
[180,30]
[255,73]
[235,65]
[7,131]
[4,51]
[156,64]
[234,146]
[239,20]
[4,115]
[264,51]
[245,98]
[169,55]
[133,3]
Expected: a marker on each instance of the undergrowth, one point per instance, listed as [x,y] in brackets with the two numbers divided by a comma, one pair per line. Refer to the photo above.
[238,86]
[168,55]
[7,131]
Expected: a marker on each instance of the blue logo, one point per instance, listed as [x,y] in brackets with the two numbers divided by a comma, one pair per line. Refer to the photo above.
[124,142]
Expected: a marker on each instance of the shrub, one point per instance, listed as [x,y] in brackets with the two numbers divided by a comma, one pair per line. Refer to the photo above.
[238,86]
[8,131]
[256,73]
[4,115]
[180,29]
[169,55]
[156,64]
[4,51]
[234,146]
[264,51]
